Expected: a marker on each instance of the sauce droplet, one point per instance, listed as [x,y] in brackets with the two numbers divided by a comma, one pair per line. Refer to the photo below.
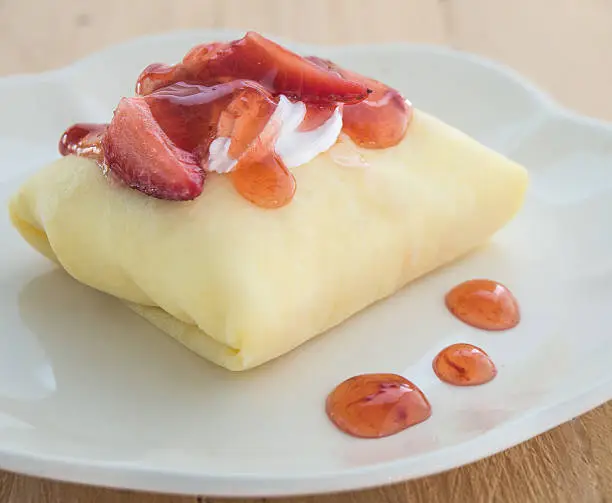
[464,365]
[376,405]
[485,304]
[83,139]
[266,183]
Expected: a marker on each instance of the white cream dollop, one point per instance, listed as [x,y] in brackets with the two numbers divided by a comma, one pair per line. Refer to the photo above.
[294,147]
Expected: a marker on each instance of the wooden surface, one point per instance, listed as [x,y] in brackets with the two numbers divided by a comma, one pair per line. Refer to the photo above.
[562,45]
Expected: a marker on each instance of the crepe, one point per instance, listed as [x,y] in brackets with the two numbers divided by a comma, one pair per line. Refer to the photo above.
[241,285]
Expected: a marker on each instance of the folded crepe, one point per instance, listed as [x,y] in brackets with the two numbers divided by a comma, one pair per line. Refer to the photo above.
[239,284]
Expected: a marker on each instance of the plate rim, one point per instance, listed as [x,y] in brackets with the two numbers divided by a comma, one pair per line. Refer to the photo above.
[122,475]
[163,481]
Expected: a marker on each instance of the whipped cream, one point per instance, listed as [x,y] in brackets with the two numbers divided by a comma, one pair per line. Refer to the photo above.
[292,146]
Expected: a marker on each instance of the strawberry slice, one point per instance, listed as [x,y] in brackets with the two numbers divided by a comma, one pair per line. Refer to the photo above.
[138,151]
[283,72]
[379,121]
[188,113]
[158,75]
[255,58]
[198,53]
[193,116]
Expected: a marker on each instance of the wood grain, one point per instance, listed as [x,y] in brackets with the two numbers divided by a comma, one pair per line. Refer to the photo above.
[562,45]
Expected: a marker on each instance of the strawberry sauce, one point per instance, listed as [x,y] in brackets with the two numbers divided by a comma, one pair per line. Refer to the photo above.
[484,304]
[158,141]
[376,405]
[379,405]
[464,365]
[83,139]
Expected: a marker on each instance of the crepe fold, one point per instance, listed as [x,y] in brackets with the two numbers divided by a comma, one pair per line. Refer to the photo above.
[241,285]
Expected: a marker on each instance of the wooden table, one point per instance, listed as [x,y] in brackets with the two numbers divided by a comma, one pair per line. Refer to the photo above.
[562,45]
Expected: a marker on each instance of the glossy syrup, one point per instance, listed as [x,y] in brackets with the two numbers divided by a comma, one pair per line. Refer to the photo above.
[376,405]
[464,365]
[266,182]
[484,304]
[83,139]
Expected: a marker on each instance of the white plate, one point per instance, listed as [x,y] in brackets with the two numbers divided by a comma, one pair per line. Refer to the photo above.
[90,392]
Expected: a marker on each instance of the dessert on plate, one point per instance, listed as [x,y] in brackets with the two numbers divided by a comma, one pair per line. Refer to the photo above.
[248,199]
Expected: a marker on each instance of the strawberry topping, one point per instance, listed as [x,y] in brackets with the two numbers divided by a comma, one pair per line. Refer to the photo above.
[159,141]
[189,113]
[138,151]
[256,58]
[158,75]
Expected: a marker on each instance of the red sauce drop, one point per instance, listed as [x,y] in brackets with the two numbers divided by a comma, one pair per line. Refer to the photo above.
[84,140]
[376,405]
[266,182]
[485,304]
[464,365]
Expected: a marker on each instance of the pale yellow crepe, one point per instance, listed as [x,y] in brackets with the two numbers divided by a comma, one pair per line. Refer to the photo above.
[240,285]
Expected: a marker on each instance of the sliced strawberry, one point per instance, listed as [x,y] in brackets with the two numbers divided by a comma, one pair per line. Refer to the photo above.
[197,55]
[379,121]
[138,151]
[193,116]
[282,71]
[188,113]
[158,75]
[255,58]
[84,140]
